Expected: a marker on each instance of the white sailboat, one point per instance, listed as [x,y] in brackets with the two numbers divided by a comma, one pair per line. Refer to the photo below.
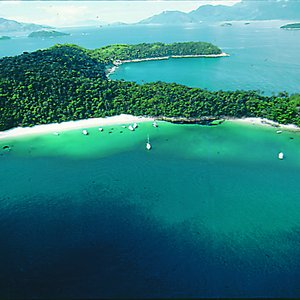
[154,124]
[130,128]
[148,145]
[135,125]
[280,155]
[85,132]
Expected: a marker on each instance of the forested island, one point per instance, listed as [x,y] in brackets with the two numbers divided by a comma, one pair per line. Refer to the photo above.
[67,83]
[291,26]
[46,34]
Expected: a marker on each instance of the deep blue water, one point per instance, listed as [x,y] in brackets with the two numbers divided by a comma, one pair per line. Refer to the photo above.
[94,236]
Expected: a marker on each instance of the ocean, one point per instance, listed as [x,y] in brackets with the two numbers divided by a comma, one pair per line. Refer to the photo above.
[210,211]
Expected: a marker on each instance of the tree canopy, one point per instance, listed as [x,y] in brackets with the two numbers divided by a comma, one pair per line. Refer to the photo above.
[67,82]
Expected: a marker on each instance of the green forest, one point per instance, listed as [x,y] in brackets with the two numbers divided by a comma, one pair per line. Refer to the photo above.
[125,52]
[67,82]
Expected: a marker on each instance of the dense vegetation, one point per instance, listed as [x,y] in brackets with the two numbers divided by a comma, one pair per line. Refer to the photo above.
[125,52]
[291,26]
[66,83]
[46,34]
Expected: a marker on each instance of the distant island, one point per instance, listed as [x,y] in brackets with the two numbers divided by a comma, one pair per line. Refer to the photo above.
[46,34]
[4,37]
[245,10]
[226,24]
[19,28]
[68,82]
[294,26]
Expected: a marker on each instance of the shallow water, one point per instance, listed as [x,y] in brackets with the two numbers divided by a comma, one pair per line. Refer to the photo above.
[209,211]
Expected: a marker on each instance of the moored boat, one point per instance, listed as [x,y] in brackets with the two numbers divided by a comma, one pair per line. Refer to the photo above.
[148,145]
[280,155]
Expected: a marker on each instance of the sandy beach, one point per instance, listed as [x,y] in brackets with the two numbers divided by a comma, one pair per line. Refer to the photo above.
[264,122]
[80,124]
[122,119]
[119,62]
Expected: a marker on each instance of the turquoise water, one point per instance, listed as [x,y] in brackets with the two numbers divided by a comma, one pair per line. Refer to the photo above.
[261,59]
[209,211]
[263,56]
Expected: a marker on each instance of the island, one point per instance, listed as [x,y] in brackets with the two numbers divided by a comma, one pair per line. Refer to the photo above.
[294,26]
[67,83]
[4,37]
[226,24]
[46,34]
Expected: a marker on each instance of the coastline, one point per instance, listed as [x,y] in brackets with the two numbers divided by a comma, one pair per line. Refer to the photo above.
[264,122]
[117,63]
[71,125]
[121,120]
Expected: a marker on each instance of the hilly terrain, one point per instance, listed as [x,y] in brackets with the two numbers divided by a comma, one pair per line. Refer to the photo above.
[244,10]
[11,27]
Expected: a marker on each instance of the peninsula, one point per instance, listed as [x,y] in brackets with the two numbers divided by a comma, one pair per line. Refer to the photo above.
[294,26]
[153,51]
[69,83]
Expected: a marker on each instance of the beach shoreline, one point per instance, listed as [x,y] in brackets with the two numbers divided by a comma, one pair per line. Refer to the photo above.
[123,119]
[117,63]
[263,122]
[53,128]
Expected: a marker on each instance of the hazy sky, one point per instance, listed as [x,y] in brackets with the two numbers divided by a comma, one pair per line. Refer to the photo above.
[68,13]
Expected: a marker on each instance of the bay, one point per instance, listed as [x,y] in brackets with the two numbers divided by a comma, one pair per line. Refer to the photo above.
[210,211]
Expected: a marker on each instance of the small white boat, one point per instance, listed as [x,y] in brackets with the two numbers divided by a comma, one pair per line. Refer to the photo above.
[135,125]
[100,129]
[279,131]
[56,133]
[130,128]
[148,145]
[85,132]
[280,155]
[123,126]
[154,124]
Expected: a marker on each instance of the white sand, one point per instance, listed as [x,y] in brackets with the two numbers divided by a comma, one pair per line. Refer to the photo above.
[264,122]
[118,120]
[119,62]
[81,124]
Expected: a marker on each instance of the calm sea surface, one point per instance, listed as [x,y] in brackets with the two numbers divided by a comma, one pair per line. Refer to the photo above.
[208,212]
